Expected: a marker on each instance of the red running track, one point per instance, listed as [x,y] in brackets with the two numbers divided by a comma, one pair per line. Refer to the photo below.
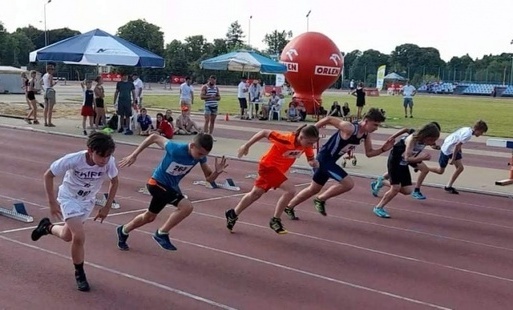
[447,252]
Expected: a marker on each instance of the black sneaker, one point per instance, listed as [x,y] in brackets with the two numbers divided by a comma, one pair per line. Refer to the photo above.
[291,214]
[451,190]
[231,219]
[276,225]
[319,206]
[122,239]
[41,229]
[82,284]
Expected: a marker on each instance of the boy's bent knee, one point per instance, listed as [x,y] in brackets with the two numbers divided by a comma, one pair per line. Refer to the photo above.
[149,217]
[185,206]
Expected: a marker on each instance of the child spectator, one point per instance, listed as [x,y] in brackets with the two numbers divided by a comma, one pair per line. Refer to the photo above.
[184,124]
[144,122]
[87,105]
[164,128]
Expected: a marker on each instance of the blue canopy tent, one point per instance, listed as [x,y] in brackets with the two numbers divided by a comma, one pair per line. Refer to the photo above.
[244,61]
[97,47]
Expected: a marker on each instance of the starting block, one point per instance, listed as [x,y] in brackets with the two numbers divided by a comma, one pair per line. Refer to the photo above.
[507,144]
[251,176]
[18,213]
[302,171]
[228,185]
[101,199]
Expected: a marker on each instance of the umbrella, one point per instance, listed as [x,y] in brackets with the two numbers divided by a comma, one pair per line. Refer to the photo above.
[245,61]
[97,47]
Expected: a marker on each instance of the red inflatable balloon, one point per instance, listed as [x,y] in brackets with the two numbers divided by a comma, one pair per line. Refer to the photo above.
[314,63]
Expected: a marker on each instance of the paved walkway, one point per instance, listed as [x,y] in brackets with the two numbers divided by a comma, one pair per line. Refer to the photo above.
[478,178]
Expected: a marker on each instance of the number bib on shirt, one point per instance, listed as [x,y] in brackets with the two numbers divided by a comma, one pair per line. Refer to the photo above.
[176,169]
[292,154]
[347,148]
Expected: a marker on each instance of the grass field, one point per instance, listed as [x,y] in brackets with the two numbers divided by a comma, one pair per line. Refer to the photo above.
[452,112]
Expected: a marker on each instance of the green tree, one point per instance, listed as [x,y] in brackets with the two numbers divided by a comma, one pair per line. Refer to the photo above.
[276,41]
[176,58]
[22,46]
[143,34]
[234,36]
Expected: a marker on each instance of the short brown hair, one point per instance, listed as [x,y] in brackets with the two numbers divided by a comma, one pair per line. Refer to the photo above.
[481,126]
[204,140]
[375,115]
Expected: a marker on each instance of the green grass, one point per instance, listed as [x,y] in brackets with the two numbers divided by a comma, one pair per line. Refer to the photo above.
[452,112]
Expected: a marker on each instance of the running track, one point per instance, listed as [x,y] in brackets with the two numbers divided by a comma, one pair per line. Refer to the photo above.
[447,252]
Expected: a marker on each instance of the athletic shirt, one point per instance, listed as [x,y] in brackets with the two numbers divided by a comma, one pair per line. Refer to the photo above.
[397,153]
[81,181]
[88,97]
[211,102]
[335,147]
[176,163]
[284,151]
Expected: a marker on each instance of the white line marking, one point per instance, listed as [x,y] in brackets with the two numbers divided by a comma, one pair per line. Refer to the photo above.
[127,275]
[111,214]
[405,229]
[307,273]
[408,258]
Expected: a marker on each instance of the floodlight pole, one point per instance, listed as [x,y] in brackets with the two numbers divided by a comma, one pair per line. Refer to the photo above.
[308,20]
[46,33]
[249,30]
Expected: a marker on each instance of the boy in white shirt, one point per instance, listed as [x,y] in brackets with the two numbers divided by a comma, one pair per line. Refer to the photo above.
[84,173]
[450,152]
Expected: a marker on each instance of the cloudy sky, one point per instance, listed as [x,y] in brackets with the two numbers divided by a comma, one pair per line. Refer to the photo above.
[454,27]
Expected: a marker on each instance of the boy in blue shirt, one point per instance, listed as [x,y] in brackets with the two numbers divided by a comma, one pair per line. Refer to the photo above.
[178,161]
[145,123]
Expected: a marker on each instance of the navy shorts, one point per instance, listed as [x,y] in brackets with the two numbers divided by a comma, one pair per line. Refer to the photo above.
[328,169]
[243,103]
[399,174]
[443,160]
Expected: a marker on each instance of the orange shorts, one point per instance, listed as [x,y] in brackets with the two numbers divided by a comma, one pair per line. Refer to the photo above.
[269,178]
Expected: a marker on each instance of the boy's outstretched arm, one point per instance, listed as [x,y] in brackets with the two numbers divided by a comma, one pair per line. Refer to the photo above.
[154,138]
[244,149]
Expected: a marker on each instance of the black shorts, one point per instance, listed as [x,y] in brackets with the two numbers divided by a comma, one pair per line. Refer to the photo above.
[162,196]
[99,103]
[31,95]
[243,103]
[399,174]
[124,110]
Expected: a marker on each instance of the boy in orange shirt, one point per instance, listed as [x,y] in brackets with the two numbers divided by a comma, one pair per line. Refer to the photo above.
[273,166]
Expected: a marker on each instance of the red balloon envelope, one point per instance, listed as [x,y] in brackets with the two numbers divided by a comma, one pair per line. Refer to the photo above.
[314,63]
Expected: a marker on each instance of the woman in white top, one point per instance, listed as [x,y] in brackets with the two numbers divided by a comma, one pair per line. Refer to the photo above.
[49,96]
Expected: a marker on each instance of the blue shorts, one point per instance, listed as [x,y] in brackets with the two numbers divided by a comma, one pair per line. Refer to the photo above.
[211,110]
[443,160]
[408,102]
[328,169]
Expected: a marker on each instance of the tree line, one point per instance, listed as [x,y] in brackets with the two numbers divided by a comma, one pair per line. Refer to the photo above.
[419,64]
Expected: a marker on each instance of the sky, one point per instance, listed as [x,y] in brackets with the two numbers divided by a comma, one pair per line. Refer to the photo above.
[454,27]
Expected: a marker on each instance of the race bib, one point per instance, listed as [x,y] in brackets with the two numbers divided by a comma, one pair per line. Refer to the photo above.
[176,169]
[347,148]
[292,154]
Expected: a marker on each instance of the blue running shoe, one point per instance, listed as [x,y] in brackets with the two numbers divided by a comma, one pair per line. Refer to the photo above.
[381,212]
[122,239]
[374,190]
[379,182]
[418,195]
[163,241]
